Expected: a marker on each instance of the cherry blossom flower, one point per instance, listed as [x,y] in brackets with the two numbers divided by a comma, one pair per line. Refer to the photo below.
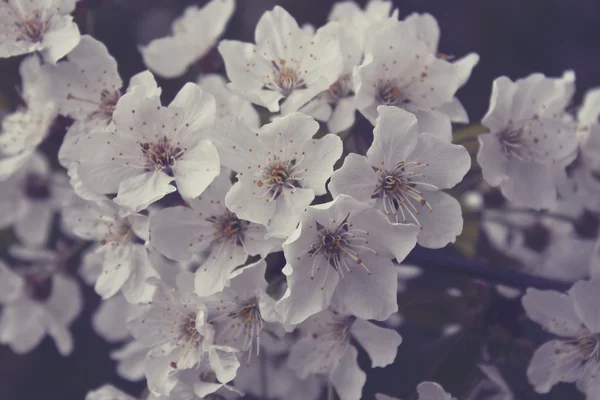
[280,169]
[425,28]
[403,174]
[236,313]
[87,87]
[43,26]
[345,248]
[336,104]
[37,300]
[30,198]
[108,392]
[286,63]
[363,22]
[425,391]
[125,263]
[283,382]
[130,359]
[530,143]
[407,75]
[207,225]
[24,129]
[174,328]
[150,147]
[575,357]
[229,104]
[194,34]
[326,349]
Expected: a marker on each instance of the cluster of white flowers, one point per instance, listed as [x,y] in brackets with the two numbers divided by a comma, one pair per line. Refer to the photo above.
[174,209]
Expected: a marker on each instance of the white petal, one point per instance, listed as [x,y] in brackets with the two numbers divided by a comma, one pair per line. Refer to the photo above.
[348,379]
[138,192]
[553,311]
[530,185]
[442,224]
[447,163]
[370,296]
[491,158]
[586,297]
[223,362]
[11,284]
[62,36]
[435,122]
[355,178]
[109,319]
[196,169]
[34,226]
[116,270]
[380,343]
[549,366]
[432,391]
[498,115]
[394,138]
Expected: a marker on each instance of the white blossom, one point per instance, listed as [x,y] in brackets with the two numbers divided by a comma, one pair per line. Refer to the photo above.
[37,300]
[236,313]
[283,382]
[174,328]
[402,176]
[229,104]
[405,74]
[326,349]
[37,25]
[530,143]
[280,168]
[194,34]
[206,225]
[151,146]
[336,104]
[286,63]
[425,28]
[345,248]
[363,22]
[425,391]
[30,198]
[120,244]
[575,356]
[108,392]
[24,129]
[130,359]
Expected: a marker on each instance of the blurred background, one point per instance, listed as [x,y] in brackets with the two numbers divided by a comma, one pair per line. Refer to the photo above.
[513,38]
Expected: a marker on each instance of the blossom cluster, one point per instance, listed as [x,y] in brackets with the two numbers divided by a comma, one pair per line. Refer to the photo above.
[175,212]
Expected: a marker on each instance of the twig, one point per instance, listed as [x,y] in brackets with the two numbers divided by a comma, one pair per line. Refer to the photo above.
[439,260]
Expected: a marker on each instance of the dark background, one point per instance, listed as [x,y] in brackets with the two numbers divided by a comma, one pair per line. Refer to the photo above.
[513,38]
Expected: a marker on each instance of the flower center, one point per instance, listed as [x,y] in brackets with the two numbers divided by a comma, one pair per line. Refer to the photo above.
[286,79]
[398,190]
[522,145]
[341,247]
[588,345]
[229,228]
[161,155]
[238,319]
[340,89]
[188,337]
[108,102]
[118,233]
[32,28]
[37,187]
[279,175]
[389,94]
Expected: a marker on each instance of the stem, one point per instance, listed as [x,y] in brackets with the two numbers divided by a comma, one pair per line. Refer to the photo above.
[263,376]
[330,392]
[437,260]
